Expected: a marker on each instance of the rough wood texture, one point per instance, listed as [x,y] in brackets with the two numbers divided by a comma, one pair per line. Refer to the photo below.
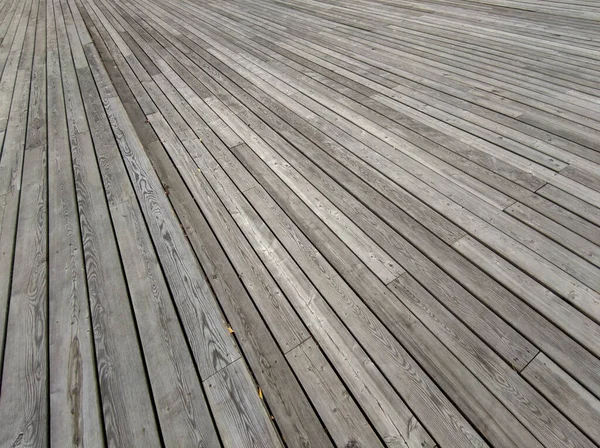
[349,223]
[559,388]
[230,389]
[341,415]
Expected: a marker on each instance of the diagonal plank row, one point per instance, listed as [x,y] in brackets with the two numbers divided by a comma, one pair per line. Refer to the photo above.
[318,223]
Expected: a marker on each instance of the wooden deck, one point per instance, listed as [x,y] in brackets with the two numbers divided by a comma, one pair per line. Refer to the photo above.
[308,223]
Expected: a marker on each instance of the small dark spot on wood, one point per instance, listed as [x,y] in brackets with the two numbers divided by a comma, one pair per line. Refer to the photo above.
[18,441]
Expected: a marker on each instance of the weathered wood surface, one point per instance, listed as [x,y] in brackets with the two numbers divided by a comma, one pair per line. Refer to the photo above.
[306,224]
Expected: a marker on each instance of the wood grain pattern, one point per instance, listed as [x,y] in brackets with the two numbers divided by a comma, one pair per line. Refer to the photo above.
[75,416]
[318,223]
[341,415]
[559,388]
[241,417]
[126,402]
[24,387]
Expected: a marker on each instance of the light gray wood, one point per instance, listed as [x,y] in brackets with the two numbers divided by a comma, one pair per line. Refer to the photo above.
[386,422]
[277,312]
[26,421]
[176,387]
[541,268]
[547,303]
[255,124]
[335,405]
[126,402]
[74,400]
[240,415]
[566,394]
[572,203]
[11,159]
[290,407]
[24,388]
[268,174]
[212,346]
[552,429]
[13,63]
[590,179]
[9,204]
[558,233]
[374,294]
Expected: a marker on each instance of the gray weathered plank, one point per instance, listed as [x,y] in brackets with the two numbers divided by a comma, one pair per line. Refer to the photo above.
[566,394]
[241,417]
[335,405]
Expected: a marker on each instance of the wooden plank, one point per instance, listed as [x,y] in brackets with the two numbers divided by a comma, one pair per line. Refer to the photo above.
[584,177]
[373,256]
[573,265]
[241,417]
[9,205]
[258,127]
[328,332]
[411,76]
[126,402]
[253,282]
[552,429]
[414,436]
[176,387]
[12,65]
[11,163]
[374,293]
[24,390]
[316,98]
[26,357]
[559,316]
[74,400]
[558,233]
[491,134]
[211,343]
[566,394]
[341,415]
[573,203]
[286,326]
[287,401]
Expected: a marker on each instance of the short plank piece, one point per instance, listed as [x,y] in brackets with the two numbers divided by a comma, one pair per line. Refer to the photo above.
[344,420]
[572,203]
[241,417]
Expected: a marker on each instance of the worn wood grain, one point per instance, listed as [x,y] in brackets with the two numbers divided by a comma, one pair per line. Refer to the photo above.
[568,395]
[335,405]
[341,222]
[75,416]
[241,416]
[126,402]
